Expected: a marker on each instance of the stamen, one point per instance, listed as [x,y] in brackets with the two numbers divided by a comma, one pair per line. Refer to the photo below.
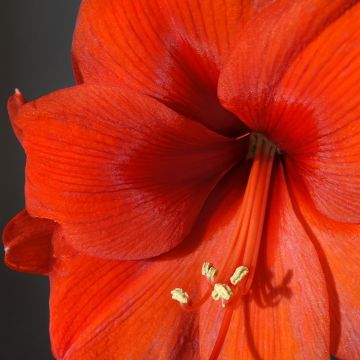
[247,235]
[239,274]
[223,292]
[209,270]
[180,295]
[245,241]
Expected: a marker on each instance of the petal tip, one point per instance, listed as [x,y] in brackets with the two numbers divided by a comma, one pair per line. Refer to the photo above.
[16,101]
[27,243]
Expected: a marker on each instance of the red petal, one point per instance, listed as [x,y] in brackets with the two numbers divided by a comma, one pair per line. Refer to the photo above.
[285,315]
[27,243]
[123,174]
[111,309]
[266,47]
[123,309]
[321,93]
[306,101]
[172,50]
[338,246]
[16,101]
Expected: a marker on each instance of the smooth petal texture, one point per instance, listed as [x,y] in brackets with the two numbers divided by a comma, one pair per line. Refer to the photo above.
[338,249]
[306,95]
[123,310]
[172,50]
[124,175]
[27,243]
[285,315]
[319,105]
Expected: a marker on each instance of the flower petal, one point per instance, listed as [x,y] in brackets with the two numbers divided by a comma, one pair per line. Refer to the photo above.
[27,243]
[285,315]
[124,175]
[265,48]
[337,244]
[172,50]
[319,98]
[112,309]
[16,101]
[306,97]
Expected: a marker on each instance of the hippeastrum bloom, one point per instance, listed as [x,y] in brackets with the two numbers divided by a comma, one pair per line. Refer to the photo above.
[197,194]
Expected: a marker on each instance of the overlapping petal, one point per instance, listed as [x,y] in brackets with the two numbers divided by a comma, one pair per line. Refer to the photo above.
[286,314]
[305,97]
[318,108]
[172,50]
[124,309]
[27,243]
[125,175]
[265,49]
[117,311]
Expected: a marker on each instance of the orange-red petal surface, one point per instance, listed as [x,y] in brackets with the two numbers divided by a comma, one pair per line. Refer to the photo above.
[305,96]
[123,309]
[125,175]
[265,48]
[172,50]
[338,245]
[106,309]
[319,106]
[285,315]
[27,243]
[111,309]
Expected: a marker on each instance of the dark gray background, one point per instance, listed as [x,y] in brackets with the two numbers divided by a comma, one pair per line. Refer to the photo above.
[35,57]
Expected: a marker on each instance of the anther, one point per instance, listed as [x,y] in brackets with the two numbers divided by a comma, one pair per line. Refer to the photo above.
[180,295]
[209,270]
[239,274]
[223,292]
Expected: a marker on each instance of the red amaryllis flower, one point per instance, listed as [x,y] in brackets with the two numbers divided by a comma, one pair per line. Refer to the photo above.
[210,152]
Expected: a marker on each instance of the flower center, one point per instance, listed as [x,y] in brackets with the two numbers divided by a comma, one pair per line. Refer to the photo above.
[237,272]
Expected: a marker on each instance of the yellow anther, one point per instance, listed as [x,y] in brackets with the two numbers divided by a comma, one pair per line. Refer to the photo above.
[209,270]
[223,292]
[239,274]
[180,295]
